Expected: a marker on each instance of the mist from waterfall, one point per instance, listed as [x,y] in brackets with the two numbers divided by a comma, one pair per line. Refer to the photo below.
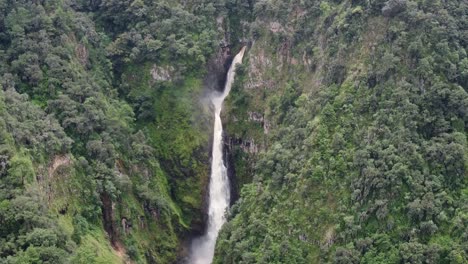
[202,249]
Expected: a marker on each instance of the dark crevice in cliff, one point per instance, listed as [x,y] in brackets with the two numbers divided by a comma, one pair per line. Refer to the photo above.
[107,217]
[217,69]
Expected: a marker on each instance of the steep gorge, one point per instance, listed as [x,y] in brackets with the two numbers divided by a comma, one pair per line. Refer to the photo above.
[344,130]
[219,186]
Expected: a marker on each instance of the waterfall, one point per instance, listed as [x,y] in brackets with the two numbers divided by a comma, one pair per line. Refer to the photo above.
[202,250]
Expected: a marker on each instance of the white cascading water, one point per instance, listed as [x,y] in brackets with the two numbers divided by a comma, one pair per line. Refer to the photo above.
[202,250]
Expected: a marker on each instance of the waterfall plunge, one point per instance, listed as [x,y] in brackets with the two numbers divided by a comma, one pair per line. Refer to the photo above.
[202,250]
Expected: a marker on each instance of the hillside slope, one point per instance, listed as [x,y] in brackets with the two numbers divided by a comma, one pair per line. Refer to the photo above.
[103,150]
[350,120]
[346,130]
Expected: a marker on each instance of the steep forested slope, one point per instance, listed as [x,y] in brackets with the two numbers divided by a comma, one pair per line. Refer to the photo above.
[351,117]
[346,128]
[102,157]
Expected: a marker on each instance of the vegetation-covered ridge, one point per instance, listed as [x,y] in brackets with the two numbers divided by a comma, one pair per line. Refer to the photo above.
[347,128]
[350,118]
[103,150]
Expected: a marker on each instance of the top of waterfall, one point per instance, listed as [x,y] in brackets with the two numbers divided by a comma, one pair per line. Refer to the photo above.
[232,71]
[218,100]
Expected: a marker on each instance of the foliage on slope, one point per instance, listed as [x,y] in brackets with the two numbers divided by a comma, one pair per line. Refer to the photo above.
[363,103]
[95,166]
[367,151]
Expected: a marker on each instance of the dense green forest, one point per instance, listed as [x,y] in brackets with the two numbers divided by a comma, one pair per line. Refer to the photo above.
[359,110]
[346,130]
[102,159]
